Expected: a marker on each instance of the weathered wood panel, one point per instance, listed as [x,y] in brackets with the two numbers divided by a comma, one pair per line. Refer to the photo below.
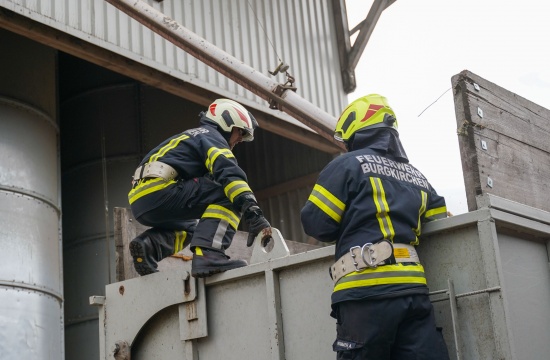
[504,142]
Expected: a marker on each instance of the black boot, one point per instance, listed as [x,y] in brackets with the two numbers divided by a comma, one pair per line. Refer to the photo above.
[209,262]
[150,247]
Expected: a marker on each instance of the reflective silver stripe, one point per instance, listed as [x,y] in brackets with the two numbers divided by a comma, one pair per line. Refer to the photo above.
[213,154]
[220,233]
[437,213]
[327,202]
[146,188]
[235,188]
[171,145]
[181,236]
[384,274]
[222,213]
[382,208]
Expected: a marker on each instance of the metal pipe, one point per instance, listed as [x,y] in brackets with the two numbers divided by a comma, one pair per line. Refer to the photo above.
[233,68]
[454,317]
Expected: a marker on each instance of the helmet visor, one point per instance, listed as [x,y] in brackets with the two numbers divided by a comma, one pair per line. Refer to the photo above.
[338,136]
[247,134]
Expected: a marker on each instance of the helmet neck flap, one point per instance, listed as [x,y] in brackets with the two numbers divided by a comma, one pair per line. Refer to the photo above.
[385,140]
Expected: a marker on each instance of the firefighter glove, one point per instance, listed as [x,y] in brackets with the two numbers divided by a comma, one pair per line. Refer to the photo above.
[256,222]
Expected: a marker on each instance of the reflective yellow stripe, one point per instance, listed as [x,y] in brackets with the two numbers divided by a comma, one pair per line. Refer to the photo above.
[382,209]
[436,213]
[235,188]
[163,150]
[220,212]
[180,240]
[383,275]
[421,211]
[213,154]
[327,202]
[148,187]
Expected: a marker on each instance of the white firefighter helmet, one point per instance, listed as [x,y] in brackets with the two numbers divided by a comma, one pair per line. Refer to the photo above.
[229,114]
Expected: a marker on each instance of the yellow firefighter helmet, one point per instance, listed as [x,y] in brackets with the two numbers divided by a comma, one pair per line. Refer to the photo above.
[371,111]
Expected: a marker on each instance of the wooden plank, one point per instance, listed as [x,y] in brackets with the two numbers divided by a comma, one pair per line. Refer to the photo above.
[126,229]
[503,142]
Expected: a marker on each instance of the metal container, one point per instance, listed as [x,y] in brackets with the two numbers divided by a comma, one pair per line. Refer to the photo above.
[31,288]
[488,272]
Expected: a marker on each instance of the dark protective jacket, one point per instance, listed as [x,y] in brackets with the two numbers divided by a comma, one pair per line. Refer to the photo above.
[194,153]
[370,194]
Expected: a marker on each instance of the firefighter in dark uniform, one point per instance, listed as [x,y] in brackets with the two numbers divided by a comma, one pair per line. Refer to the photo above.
[372,203]
[191,191]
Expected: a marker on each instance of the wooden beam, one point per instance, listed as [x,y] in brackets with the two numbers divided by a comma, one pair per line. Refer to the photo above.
[97,55]
[365,31]
[341,25]
[503,142]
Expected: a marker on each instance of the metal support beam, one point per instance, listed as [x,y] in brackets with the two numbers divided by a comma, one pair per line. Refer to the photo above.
[350,55]
[233,68]
[365,31]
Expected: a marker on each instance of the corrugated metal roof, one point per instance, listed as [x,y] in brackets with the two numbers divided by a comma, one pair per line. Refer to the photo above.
[256,31]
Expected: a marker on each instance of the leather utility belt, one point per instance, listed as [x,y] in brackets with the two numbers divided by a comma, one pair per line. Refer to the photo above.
[371,256]
[155,169]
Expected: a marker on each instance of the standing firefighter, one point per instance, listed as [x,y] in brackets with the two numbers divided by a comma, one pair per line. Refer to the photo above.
[194,175]
[372,203]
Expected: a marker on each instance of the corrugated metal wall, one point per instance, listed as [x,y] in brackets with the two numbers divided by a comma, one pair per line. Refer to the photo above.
[300,31]
[271,160]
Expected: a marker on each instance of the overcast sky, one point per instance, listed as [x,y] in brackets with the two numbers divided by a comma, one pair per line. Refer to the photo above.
[417,46]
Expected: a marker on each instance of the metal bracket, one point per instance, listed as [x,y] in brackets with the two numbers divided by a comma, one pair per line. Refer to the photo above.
[131,303]
[268,245]
[280,90]
[193,321]
[483,144]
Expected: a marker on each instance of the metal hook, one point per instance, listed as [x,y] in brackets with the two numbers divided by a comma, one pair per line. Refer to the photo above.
[281,68]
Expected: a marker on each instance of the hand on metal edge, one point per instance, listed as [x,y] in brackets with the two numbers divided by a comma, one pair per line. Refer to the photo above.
[256,221]
[266,232]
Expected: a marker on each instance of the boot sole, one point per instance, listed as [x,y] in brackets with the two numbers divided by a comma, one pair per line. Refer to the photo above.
[203,272]
[137,252]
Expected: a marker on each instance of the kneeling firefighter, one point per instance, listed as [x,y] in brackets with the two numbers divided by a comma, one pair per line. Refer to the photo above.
[191,191]
[372,202]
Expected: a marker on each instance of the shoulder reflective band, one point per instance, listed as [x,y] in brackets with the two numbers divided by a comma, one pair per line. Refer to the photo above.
[213,154]
[327,202]
[171,144]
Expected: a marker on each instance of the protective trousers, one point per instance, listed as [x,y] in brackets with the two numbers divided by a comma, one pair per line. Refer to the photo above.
[388,329]
[177,207]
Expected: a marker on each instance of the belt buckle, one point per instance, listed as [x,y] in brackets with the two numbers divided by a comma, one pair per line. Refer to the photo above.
[353,257]
[371,261]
